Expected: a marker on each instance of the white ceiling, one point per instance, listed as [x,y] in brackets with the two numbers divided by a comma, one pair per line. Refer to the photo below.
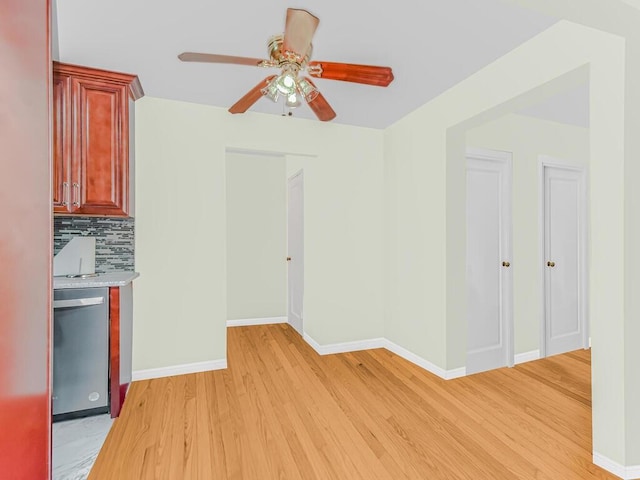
[431,45]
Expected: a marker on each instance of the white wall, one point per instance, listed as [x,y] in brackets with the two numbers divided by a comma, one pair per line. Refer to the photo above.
[256,236]
[180,309]
[528,138]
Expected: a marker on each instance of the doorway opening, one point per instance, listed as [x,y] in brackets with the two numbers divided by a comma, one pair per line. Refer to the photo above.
[256,238]
[295,248]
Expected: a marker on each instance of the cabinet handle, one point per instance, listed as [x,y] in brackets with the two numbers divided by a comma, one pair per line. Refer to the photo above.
[78,302]
[65,194]
[76,194]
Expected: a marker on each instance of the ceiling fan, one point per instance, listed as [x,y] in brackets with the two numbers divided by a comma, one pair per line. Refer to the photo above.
[291,53]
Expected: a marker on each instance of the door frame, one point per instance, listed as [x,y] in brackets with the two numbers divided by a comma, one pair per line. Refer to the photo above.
[299,173]
[547,161]
[506,159]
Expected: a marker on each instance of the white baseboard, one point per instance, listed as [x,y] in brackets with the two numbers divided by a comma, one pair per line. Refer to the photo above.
[344,347]
[245,322]
[626,473]
[392,347]
[526,356]
[179,369]
[455,373]
[422,363]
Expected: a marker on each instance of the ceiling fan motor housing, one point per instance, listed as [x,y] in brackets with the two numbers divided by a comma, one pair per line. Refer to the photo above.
[279,57]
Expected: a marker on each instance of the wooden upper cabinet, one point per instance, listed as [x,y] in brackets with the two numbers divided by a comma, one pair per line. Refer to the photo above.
[100,149]
[61,149]
[91,161]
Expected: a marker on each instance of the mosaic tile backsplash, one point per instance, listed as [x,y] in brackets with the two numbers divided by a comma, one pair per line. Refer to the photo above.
[114,239]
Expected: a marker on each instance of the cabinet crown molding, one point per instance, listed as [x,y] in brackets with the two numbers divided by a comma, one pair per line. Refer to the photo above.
[79,71]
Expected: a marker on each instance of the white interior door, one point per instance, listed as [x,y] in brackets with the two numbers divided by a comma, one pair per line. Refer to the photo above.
[564,219]
[489,279]
[295,246]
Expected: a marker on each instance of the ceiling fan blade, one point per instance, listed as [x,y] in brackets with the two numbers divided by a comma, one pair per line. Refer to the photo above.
[320,106]
[213,58]
[251,97]
[299,28]
[348,72]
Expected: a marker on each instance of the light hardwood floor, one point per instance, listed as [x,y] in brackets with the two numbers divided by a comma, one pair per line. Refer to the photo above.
[281,411]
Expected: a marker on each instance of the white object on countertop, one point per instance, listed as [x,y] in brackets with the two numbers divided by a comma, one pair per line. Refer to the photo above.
[76,257]
[111,279]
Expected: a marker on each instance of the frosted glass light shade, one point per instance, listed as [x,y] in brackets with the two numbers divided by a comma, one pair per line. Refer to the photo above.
[293,101]
[271,91]
[286,83]
[308,91]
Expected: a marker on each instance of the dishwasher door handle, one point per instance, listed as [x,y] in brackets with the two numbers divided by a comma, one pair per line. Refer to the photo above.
[78,302]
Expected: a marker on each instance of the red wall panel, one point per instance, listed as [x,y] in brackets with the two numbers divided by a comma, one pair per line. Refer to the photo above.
[25,240]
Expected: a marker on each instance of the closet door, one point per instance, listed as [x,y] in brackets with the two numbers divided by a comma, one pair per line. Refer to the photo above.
[489,279]
[564,214]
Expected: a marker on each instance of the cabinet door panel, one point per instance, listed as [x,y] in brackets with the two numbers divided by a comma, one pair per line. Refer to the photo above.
[61,143]
[102,185]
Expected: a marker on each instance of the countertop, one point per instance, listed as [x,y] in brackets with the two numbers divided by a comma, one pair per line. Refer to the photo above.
[111,279]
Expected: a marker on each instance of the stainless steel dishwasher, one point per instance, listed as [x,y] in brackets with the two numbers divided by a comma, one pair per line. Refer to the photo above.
[80,352]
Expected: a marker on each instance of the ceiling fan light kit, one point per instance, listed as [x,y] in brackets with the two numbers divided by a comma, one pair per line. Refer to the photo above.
[288,84]
[291,53]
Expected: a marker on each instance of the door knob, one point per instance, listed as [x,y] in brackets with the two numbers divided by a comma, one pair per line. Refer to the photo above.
[288,259]
[506,264]
[551,264]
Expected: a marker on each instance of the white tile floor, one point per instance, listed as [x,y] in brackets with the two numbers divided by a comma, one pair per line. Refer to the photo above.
[76,444]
